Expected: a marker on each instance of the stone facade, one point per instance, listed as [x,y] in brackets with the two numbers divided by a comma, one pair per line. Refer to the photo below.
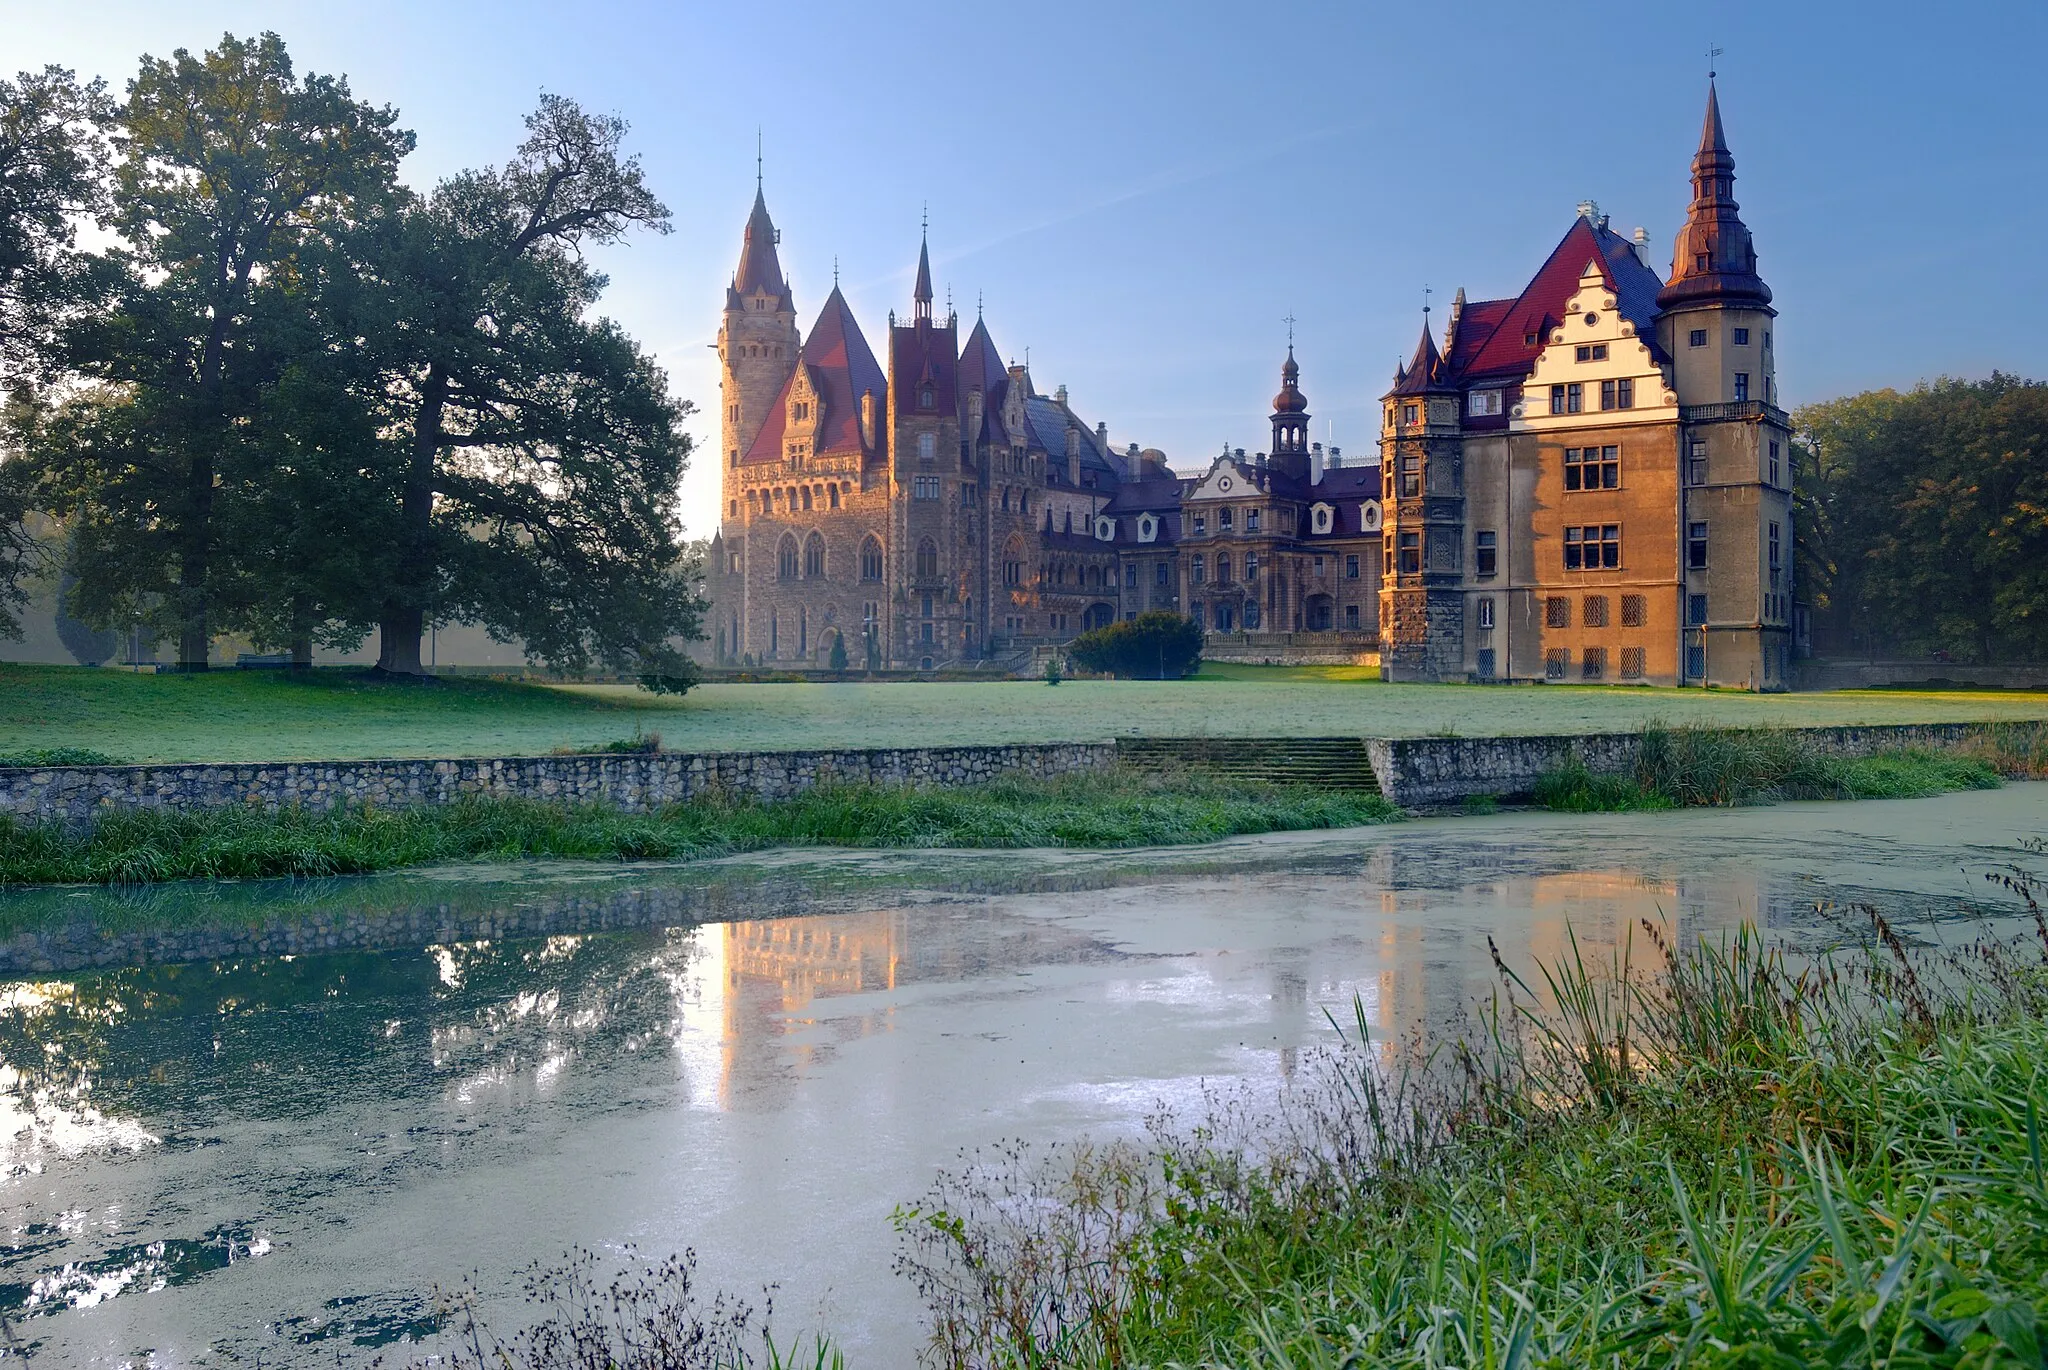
[75,795]
[942,512]
[1424,772]
[1590,483]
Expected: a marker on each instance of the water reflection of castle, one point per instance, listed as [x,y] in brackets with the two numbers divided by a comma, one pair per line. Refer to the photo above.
[1421,967]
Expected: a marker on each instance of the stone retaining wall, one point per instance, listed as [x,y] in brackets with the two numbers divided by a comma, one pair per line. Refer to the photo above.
[74,795]
[1423,772]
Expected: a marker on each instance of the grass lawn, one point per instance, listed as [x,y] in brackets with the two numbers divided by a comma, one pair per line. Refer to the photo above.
[261,716]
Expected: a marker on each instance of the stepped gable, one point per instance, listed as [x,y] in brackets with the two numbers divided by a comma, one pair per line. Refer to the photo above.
[760,265]
[841,368]
[1494,342]
[981,368]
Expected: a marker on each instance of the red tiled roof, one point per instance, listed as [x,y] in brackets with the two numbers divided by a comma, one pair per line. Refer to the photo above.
[843,368]
[1540,306]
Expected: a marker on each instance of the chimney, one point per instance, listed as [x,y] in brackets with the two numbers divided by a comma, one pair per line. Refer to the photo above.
[1336,456]
[1073,447]
[1589,209]
[867,419]
[1059,397]
[1315,464]
[974,403]
[1643,245]
[1238,454]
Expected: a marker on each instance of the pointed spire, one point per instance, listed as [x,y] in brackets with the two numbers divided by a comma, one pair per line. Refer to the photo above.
[1714,258]
[922,295]
[1424,370]
[760,268]
[1712,139]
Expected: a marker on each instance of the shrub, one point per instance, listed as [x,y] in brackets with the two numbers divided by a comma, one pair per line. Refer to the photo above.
[1153,646]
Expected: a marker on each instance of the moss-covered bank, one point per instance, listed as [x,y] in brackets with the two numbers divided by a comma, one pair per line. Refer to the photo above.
[1114,808]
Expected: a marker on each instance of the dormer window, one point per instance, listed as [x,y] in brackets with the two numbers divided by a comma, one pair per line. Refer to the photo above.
[924,398]
[1319,518]
[1148,528]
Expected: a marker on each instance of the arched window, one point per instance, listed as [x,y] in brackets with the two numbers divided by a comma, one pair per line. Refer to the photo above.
[927,447]
[785,558]
[1223,568]
[924,398]
[834,493]
[870,559]
[807,499]
[814,557]
[927,559]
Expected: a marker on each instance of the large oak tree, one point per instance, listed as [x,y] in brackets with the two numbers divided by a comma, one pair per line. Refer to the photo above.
[542,454]
[232,166]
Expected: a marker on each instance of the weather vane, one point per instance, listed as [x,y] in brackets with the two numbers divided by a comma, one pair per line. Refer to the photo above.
[835,271]
[1426,293]
[757,157]
[1712,53]
[1289,321]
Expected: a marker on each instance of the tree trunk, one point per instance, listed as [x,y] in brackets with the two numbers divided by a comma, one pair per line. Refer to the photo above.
[398,640]
[193,638]
[404,618]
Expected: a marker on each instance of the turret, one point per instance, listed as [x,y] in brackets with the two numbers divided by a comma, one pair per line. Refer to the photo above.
[1716,320]
[757,342]
[1290,421]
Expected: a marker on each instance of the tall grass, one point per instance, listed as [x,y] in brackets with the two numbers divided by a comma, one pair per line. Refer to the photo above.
[1683,767]
[1116,808]
[1695,1156]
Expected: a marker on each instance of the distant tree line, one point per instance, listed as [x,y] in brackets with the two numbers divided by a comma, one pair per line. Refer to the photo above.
[1922,520]
[293,399]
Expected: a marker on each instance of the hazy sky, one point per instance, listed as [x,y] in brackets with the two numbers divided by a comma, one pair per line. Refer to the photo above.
[1142,193]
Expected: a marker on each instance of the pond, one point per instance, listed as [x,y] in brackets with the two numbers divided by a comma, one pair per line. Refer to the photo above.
[278,1160]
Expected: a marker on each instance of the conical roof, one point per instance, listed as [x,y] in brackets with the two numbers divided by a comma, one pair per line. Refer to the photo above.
[760,268]
[923,293]
[1424,372]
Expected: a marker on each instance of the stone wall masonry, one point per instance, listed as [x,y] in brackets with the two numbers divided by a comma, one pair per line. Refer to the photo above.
[1424,772]
[75,795]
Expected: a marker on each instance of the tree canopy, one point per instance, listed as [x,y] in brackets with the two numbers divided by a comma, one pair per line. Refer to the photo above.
[299,401]
[1922,519]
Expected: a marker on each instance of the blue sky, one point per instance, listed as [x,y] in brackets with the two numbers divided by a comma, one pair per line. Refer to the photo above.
[1142,193]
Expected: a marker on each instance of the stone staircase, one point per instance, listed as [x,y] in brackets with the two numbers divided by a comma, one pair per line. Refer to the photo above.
[1330,763]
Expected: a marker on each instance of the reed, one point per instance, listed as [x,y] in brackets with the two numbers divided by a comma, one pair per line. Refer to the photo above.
[1686,767]
[1701,1156]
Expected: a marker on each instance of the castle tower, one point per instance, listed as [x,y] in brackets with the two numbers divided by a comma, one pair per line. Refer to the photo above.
[1422,627]
[1735,442]
[757,347]
[1290,422]
[932,543]
[1714,287]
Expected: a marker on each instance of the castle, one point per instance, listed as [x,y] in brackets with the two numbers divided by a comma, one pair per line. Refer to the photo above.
[1589,481]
